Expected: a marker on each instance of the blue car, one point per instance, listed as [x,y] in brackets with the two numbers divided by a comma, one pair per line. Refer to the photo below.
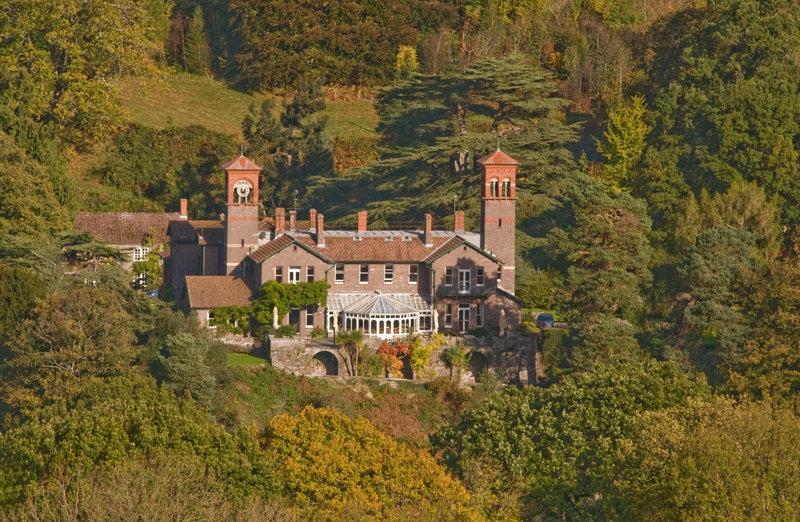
[544,321]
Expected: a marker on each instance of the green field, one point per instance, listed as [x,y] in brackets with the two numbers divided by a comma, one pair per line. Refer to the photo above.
[173,98]
[243,359]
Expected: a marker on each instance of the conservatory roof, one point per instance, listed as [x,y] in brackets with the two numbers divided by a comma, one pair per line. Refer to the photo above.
[377,303]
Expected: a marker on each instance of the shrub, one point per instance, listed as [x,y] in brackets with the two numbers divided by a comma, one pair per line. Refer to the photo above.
[370,364]
[285,330]
[318,333]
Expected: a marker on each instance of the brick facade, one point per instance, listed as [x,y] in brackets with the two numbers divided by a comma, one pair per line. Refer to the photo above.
[478,291]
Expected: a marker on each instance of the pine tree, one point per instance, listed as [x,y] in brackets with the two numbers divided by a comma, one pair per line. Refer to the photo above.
[292,148]
[196,51]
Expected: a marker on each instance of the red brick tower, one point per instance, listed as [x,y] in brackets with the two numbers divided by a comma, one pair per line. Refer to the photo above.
[498,211]
[241,212]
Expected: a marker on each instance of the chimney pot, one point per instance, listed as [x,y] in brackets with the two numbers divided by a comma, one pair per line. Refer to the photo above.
[427,236]
[184,212]
[458,222]
[320,230]
[362,221]
[312,218]
[280,221]
[292,220]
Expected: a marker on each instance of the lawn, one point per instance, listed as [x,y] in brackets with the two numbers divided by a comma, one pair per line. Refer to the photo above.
[243,359]
[174,98]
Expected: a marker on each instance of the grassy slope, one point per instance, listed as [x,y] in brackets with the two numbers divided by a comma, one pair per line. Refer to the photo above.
[182,99]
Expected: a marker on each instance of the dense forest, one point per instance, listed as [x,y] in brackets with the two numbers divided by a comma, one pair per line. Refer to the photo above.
[659,188]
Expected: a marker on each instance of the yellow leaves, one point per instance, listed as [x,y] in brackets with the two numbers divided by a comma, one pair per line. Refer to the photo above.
[334,465]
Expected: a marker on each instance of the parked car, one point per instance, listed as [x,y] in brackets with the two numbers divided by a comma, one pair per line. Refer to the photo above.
[544,321]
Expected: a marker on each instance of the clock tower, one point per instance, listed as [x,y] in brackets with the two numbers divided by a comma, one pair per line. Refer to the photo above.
[241,212]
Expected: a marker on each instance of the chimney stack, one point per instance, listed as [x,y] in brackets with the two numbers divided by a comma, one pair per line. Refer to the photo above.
[320,230]
[312,218]
[184,213]
[280,221]
[292,220]
[458,222]
[362,222]
[427,235]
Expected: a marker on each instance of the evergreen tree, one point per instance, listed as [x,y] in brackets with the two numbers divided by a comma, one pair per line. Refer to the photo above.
[292,148]
[434,128]
[196,50]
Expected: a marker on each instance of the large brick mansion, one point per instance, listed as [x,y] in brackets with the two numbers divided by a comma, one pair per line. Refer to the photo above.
[388,283]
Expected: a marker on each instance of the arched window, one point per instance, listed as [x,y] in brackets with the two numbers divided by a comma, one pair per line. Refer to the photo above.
[494,191]
[506,188]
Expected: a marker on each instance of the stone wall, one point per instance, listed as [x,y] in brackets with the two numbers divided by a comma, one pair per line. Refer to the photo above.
[513,358]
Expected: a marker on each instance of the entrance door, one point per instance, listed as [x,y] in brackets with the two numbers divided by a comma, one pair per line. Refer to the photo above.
[463,318]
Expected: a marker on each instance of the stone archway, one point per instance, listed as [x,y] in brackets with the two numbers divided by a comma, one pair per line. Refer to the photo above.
[478,363]
[325,363]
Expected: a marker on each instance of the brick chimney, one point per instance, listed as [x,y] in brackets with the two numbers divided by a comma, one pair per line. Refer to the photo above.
[312,218]
[292,220]
[362,222]
[280,221]
[458,222]
[320,230]
[427,235]
[184,213]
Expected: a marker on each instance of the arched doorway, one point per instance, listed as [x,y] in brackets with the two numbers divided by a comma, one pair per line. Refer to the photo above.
[478,363]
[326,364]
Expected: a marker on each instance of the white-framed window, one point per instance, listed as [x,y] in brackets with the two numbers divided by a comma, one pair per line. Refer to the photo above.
[464,280]
[480,276]
[310,316]
[479,314]
[310,274]
[388,274]
[448,315]
[448,276]
[506,188]
[141,280]
[363,274]
[463,318]
[339,274]
[141,253]
[279,274]
[413,273]
[294,275]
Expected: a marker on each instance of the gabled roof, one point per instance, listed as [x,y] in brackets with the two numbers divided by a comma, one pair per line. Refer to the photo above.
[508,294]
[206,292]
[241,163]
[498,157]
[126,228]
[454,243]
[275,246]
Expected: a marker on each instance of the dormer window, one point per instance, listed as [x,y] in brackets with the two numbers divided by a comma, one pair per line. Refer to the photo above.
[494,190]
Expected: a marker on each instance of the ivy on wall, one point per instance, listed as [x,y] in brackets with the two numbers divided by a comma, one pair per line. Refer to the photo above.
[284,296]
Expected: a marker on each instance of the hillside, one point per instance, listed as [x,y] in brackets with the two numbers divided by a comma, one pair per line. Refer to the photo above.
[181,99]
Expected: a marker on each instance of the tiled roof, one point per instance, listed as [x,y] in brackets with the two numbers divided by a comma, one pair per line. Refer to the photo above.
[498,157]
[372,246]
[217,291]
[241,163]
[268,250]
[125,228]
